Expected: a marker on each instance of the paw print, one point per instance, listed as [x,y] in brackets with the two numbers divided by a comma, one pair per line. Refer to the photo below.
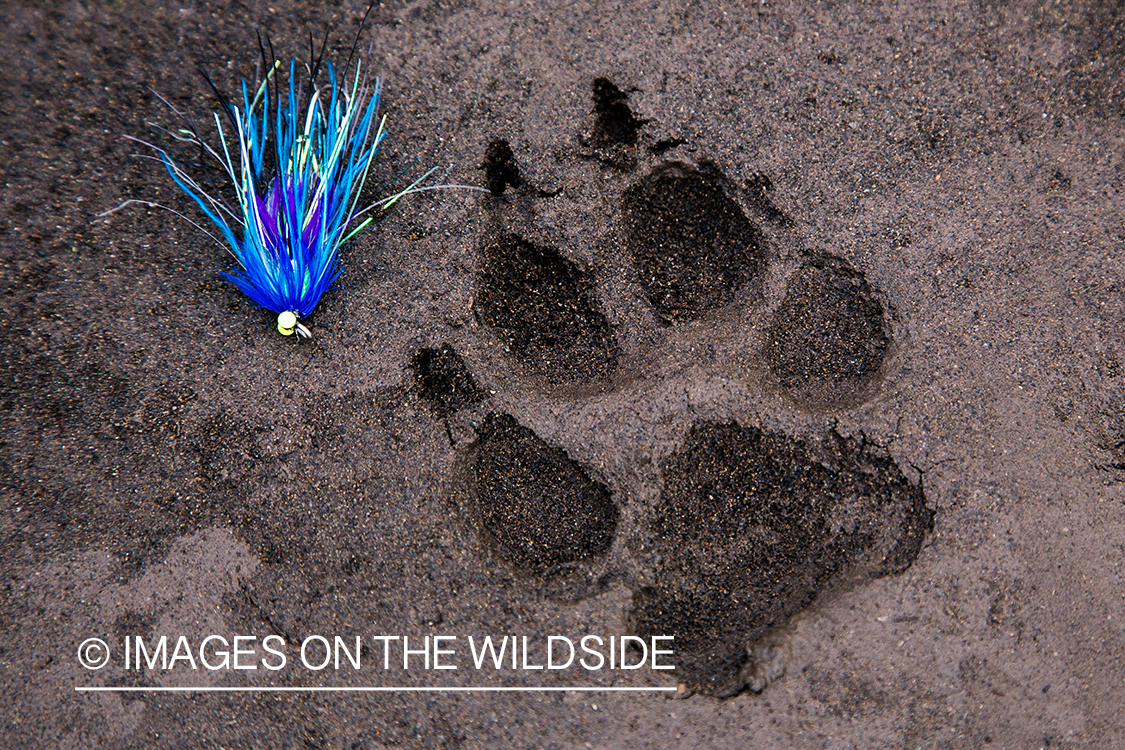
[745,525]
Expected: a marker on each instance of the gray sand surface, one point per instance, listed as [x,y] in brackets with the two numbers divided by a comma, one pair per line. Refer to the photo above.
[922,311]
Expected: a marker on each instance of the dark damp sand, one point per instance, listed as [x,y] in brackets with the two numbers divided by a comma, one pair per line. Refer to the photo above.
[170,465]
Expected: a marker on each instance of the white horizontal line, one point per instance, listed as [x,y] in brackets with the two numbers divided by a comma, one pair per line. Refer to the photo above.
[291,689]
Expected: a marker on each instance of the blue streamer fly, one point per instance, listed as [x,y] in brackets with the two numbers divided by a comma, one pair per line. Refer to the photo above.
[290,220]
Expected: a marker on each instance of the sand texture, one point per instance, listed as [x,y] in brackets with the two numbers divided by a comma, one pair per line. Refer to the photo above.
[791,330]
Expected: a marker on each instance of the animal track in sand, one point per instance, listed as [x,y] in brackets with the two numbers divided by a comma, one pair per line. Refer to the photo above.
[751,524]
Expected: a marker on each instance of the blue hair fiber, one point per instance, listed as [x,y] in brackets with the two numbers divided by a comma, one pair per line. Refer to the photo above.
[297,167]
[296,162]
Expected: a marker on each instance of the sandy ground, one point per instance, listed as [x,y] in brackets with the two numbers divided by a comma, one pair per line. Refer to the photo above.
[923,312]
